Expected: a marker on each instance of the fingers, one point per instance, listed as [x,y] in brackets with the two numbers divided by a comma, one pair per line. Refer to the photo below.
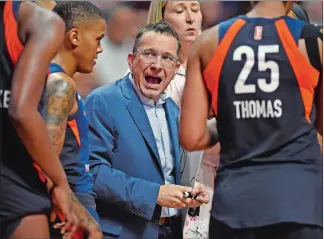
[198,186]
[59,225]
[203,197]
[177,203]
[75,224]
[71,219]
[53,216]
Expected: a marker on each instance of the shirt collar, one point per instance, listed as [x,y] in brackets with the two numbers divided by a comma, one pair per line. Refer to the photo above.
[181,71]
[144,99]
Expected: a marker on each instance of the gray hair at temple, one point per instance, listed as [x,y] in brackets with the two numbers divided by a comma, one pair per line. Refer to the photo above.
[161,27]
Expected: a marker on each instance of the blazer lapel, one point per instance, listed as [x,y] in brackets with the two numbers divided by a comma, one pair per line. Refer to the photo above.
[137,111]
[172,117]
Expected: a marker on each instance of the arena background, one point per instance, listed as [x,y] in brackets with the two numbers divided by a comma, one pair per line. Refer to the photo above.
[125,18]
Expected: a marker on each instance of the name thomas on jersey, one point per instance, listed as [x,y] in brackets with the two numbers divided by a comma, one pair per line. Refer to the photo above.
[258,109]
[246,109]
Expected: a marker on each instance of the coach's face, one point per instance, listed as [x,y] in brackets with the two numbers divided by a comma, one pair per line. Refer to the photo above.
[154,63]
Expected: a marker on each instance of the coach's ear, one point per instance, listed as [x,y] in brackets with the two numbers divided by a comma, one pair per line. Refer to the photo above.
[130,60]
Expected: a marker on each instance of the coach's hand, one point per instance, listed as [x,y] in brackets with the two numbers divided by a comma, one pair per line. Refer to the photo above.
[202,196]
[171,196]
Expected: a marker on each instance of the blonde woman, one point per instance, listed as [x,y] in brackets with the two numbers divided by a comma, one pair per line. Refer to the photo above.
[186,18]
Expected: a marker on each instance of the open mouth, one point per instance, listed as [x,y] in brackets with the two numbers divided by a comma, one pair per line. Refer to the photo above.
[153,80]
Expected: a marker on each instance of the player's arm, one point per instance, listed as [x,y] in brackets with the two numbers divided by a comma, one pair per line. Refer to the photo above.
[60,94]
[194,133]
[60,100]
[43,35]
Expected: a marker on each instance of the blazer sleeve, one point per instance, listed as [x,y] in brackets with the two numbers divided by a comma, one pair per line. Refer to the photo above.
[114,186]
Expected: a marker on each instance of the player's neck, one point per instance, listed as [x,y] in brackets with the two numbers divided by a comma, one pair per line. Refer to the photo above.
[67,62]
[268,10]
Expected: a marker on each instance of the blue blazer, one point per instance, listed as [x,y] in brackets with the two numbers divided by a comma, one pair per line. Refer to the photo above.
[125,162]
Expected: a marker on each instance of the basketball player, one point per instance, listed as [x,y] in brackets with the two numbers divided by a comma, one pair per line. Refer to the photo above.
[30,37]
[65,116]
[264,87]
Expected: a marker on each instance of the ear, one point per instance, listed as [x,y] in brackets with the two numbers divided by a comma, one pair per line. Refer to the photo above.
[177,68]
[74,37]
[130,60]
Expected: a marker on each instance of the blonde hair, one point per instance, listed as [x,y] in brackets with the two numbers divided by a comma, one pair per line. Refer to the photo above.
[156,11]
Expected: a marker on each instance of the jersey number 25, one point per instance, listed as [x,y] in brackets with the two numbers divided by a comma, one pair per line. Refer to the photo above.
[240,86]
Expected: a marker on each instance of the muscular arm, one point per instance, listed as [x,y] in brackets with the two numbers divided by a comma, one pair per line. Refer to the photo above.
[43,35]
[194,131]
[60,100]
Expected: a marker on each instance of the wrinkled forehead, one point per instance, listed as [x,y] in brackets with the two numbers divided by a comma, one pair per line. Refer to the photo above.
[161,42]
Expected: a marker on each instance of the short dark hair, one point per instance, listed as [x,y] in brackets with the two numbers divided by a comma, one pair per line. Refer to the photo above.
[75,13]
[159,27]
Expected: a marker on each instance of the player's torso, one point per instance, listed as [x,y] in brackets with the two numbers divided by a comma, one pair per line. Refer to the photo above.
[271,166]
[265,100]
[11,48]
[75,152]
[16,163]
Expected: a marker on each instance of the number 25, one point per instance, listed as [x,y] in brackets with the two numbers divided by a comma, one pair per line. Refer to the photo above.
[263,65]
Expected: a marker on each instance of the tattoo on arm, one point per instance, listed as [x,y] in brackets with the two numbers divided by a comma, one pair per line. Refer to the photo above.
[60,99]
[85,219]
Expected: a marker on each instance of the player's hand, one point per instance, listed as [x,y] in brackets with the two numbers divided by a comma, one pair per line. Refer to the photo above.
[171,196]
[202,196]
[95,233]
[87,224]
[62,203]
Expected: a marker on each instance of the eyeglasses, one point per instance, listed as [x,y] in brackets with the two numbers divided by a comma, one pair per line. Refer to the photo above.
[150,56]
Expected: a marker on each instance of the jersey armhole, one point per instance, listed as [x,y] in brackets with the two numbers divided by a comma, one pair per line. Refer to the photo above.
[310,34]
[223,27]
[15,9]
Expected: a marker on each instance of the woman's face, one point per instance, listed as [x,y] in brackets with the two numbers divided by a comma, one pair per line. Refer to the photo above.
[185,17]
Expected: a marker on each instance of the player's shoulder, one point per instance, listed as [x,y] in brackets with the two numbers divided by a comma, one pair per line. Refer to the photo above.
[61,82]
[37,21]
[28,9]
[219,30]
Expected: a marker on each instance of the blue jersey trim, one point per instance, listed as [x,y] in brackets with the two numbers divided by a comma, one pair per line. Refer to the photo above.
[223,27]
[15,9]
[55,68]
[295,27]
